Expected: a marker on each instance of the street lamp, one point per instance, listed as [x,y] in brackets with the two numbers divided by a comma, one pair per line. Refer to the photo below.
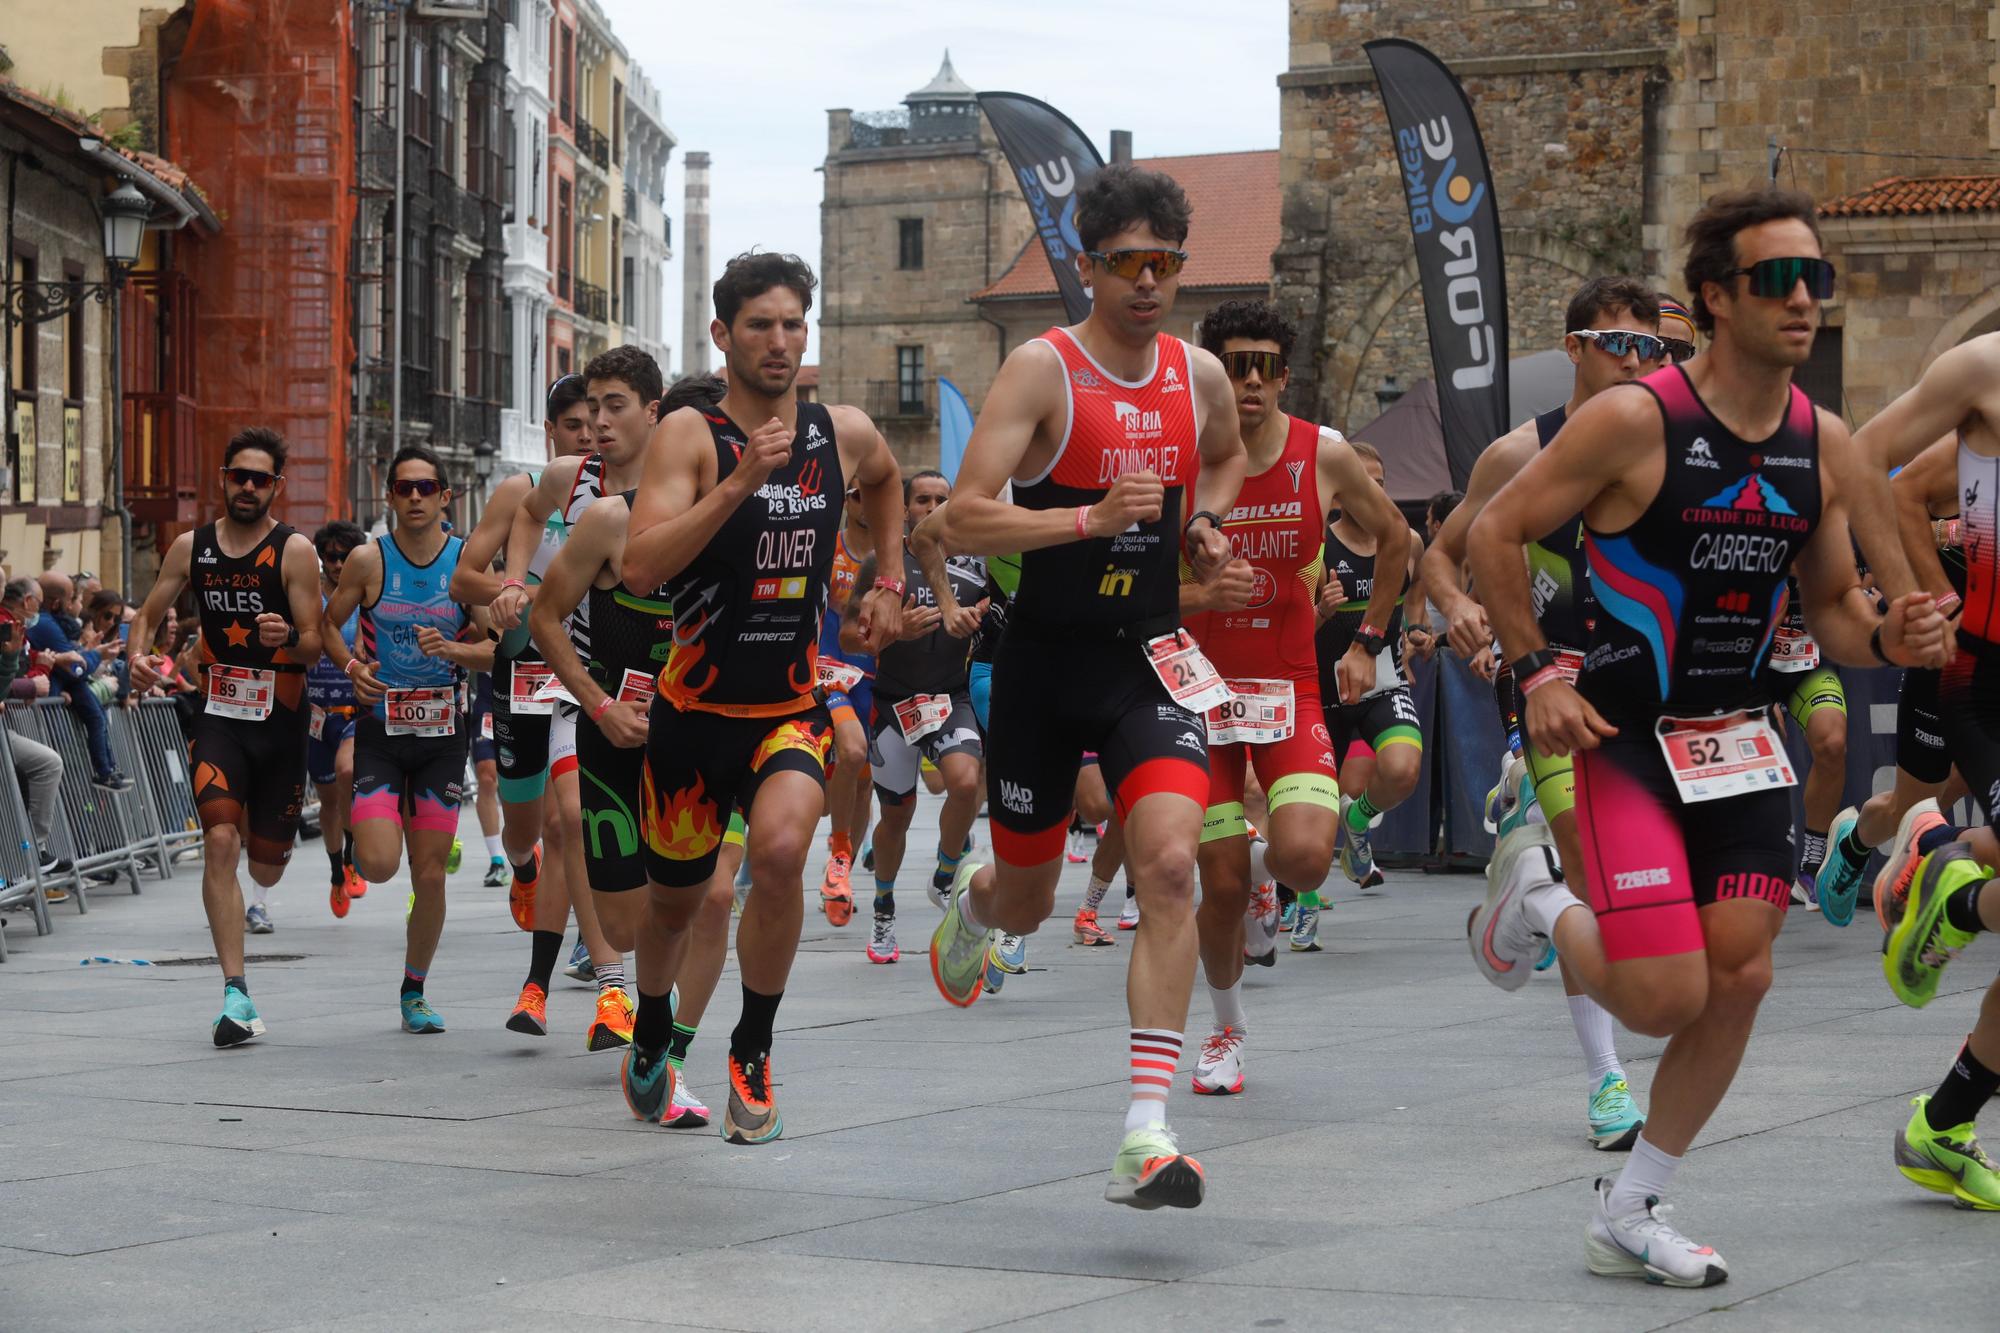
[123,212]
[1387,392]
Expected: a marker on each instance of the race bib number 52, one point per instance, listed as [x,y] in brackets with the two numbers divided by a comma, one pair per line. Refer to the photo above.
[1714,757]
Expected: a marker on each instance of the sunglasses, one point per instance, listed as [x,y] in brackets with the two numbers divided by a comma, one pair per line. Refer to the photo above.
[335,555]
[1678,349]
[1776,279]
[251,477]
[1618,342]
[409,486]
[1268,365]
[1129,264]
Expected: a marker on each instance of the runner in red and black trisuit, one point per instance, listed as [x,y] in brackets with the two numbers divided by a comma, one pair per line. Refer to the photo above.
[1098,426]
[257,599]
[737,521]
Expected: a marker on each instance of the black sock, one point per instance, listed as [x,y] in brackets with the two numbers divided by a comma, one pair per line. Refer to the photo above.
[336,862]
[1962,910]
[752,1034]
[678,1043]
[1936,838]
[547,947]
[653,1024]
[528,865]
[1965,1089]
[412,983]
[1286,896]
[1851,846]
[237,982]
[347,849]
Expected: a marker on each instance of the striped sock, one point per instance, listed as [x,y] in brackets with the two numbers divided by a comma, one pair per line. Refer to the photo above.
[413,982]
[610,975]
[677,1045]
[885,896]
[1155,1052]
[1361,813]
[1095,893]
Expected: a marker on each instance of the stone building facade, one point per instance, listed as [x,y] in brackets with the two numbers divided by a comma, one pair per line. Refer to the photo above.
[920,212]
[1607,126]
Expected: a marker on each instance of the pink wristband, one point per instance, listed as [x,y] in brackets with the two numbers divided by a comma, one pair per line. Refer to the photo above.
[1083,521]
[603,707]
[1949,603]
[1548,673]
[513,583]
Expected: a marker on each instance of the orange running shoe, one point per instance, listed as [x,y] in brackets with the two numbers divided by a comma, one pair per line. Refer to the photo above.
[337,897]
[357,887]
[521,896]
[531,1012]
[752,1116]
[836,896]
[1085,930]
[1899,869]
[612,1028]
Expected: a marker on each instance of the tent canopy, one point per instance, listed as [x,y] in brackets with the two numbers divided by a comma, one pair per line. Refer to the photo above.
[1410,435]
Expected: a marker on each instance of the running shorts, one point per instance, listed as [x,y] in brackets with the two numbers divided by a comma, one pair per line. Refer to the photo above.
[1920,747]
[323,750]
[562,740]
[252,775]
[700,765]
[1370,726]
[1651,863]
[1969,704]
[979,687]
[520,745]
[479,725]
[1811,691]
[1300,768]
[894,761]
[1056,700]
[608,783]
[422,777]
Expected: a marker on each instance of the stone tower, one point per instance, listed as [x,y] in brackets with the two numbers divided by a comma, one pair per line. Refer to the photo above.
[697,307]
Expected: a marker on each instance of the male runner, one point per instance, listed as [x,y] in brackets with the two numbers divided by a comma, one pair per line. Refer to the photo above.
[1099,426]
[255,583]
[1951,899]
[622,387]
[736,517]
[1686,829]
[923,711]
[852,707]
[1610,319]
[1813,697]
[330,743]
[1377,741]
[408,669]
[1255,623]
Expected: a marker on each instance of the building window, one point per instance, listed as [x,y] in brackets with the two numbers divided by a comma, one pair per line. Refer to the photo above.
[562,362]
[72,336]
[631,291]
[910,381]
[617,122]
[563,239]
[510,173]
[420,102]
[909,242]
[19,427]
[566,77]
[448,118]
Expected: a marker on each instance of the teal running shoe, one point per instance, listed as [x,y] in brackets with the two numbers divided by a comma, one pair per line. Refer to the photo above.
[1615,1121]
[419,1017]
[1547,960]
[648,1081]
[238,1022]
[1839,878]
[958,951]
[580,967]
[1916,952]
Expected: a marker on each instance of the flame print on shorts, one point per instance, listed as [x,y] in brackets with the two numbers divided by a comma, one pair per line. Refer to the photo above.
[682,825]
[795,734]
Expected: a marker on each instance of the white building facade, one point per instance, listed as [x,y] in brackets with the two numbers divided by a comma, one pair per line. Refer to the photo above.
[528,277]
[648,231]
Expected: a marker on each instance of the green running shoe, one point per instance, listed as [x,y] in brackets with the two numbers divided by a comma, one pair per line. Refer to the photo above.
[456,858]
[1615,1121]
[419,1017]
[238,1022]
[1915,953]
[1949,1161]
[958,952]
[1150,1172]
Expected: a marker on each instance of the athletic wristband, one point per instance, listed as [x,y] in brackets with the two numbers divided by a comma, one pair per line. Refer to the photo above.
[513,583]
[891,585]
[292,639]
[1083,521]
[1528,665]
[352,663]
[603,707]
[1214,521]
[1375,638]
[1541,678]
[1875,647]
[1949,603]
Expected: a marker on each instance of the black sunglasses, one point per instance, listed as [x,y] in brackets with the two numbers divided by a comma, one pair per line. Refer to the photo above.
[409,486]
[1129,264]
[333,555]
[1678,349]
[1775,279]
[251,477]
[1268,365]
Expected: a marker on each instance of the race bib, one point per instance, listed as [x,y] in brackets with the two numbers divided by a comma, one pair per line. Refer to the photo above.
[922,714]
[486,726]
[1257,712]
[525,684]
[637,687]
[243,693]
[318,724]
[835,674]
[425,712]
[1186,671]
[1569,665]
[551,691]
[1794,650]
[1714,757]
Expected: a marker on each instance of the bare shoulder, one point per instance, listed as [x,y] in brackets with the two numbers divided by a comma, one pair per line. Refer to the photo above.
[852,427]
[1625,414]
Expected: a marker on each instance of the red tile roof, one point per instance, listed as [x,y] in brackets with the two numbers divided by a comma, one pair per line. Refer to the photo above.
[808,377]
[1906,196]
[168,174]
[1230,239]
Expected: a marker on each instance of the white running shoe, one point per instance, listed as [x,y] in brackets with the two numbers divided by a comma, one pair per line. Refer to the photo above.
[686,1111]
[1128,917]
[1503,943]
[1644,1245]
[1260,926]
[1219,1069]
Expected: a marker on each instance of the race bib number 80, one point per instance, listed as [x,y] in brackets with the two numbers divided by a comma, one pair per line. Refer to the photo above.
[1258,712]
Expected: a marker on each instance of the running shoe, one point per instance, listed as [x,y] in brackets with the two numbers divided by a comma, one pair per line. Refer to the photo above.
[1085,930]
[838,867]
[836,896]
[1150,1172]
[55,893]
[940,887]
[1357,858]
[1892,882]
[257,920]
[1805,889]
[112,781]
[357,887]
[1305,930]
[1008,957]
[1643,1245]
[958,952]
[521,894]
[1288,910]
[685,1111]
[1840,878]
[868,854]
[612,1025]
[1615,1121]
[1949,1161]
[419,1017]
[238,1022]
[1503,944]
[647,1079]
[337,898]
[1924,940]
[455,858]
[496,873]
[882,944]
[1218,1071]
[1547,960]
[1073,848]
[531,1012]
[1260,927]
[1128,915]
[580,968]
[752,1114]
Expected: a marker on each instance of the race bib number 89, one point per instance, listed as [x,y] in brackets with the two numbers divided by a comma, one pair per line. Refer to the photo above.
[237,692]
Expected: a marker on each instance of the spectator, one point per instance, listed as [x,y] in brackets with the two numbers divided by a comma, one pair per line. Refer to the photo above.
[104,616]
[71,673]
[37,768]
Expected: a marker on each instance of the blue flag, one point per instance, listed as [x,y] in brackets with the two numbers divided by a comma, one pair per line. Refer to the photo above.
[954,428]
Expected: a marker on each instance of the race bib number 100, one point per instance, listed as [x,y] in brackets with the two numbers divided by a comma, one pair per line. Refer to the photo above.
[426,712]
[1186,671]
[1714,757]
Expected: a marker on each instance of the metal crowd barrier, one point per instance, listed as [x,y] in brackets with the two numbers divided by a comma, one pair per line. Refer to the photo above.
[107,830]
[20,860]
[162,767]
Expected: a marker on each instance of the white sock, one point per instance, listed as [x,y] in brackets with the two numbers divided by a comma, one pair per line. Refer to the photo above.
[1095,893]
[261,893]
[494,851]
[1547,900]
[972,923]
[1258,872]
[1155,1052]
[1594,1034]
[1228,1004]
[1647,1174]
